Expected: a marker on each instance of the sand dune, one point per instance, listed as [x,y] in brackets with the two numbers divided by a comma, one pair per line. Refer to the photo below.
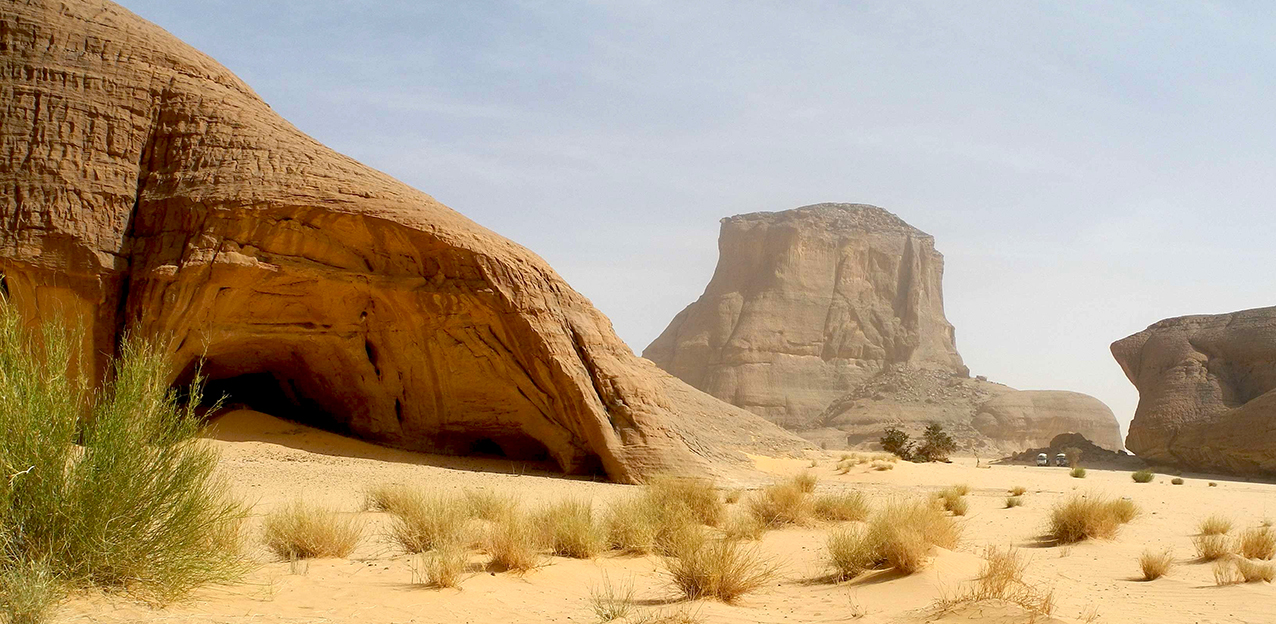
[274,461]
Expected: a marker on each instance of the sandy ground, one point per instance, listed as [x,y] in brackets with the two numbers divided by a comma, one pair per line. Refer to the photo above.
[272,462]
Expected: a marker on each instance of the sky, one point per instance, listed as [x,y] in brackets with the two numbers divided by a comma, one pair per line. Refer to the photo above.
[1086,168]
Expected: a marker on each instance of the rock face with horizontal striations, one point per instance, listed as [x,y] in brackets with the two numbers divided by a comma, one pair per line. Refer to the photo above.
[148,188]
[807,303]
[1207,391]
[829,319]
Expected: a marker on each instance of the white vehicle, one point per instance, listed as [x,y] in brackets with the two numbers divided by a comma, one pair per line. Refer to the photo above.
[1043,459]
[1061,460]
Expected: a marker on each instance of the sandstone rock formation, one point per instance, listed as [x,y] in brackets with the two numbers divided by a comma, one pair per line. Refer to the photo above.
[984,417]
[807,303]
[829,319]
[1207,391]
[147,188]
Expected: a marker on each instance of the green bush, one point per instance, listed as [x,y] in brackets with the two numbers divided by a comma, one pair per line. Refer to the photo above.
[896,442]
[936,444]
[1078,472]
[113,491]
[1143,476]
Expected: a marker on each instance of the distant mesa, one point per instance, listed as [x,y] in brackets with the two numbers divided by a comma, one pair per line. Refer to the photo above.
[1207,391]
[149,189]
[829,320]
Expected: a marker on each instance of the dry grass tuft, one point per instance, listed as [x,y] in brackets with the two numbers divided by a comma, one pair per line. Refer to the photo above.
[424,519]
[843,507]
[720,569]
[612,602]
[881,465]
[780,504]
[490,505]
[1215,525]
[1013,501]
[852,551]
[631,524]
[1143,476]
[1257,543]
[569,529]
[805,482]
[1077,473]
[744,526]
[1254,571]
[514,543]
[29,593]
[443,566]
[733,496]
[699,496]
[1211,547]
[1018,490]
[388,497]
[1001,578]
[953,498]
[1155,564]
[303,531]
[1082,518]
[906,531]
[1176,481]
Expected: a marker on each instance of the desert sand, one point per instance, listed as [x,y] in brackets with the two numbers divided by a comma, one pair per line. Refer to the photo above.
[272,461]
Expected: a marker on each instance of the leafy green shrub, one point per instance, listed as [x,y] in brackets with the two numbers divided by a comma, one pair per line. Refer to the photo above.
[936,444]
[1143,476]
[125,498]
[896,442]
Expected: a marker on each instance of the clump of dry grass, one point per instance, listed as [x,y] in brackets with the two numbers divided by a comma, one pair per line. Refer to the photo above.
[842,507]
[612,601]
[1013,501]
[424,519]
[1155,564]
[1215,525]
[906,531]
[388,497]
[490,505]
[1018,490]
[1143,476]
[443,566]
[699,496]
[1083,517]
[1234,569]
[1001,578]
[303,531]
[780,504]
[514,543]
[953,499]
[1176,481]
[805,482]
[1211,547]
[744,526]
[1257,543]
[1077,472]
[631,524]
[853,550]
[733,496]
[880,465]
[1254,571]
[569,529]
[720,569]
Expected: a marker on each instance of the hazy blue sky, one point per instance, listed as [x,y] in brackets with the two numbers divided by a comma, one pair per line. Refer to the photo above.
[1087,168]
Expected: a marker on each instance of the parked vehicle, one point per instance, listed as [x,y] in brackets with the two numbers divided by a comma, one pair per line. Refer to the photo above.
[1043,459]
[1061,460]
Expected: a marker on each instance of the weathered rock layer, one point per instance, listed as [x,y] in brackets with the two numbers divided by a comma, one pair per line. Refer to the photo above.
[806,303]
[829,319]
[148,188]
[1207,391]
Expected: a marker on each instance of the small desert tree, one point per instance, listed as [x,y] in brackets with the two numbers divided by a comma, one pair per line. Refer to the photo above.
[936,444]
[895,441]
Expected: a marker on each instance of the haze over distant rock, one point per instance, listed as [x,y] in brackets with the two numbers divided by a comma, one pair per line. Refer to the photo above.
[1207,391]
[829,319]
[148,188]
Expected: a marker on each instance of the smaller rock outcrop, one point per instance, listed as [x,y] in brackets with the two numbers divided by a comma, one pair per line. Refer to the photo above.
[1092,455]
[1207,391]
[984,417]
